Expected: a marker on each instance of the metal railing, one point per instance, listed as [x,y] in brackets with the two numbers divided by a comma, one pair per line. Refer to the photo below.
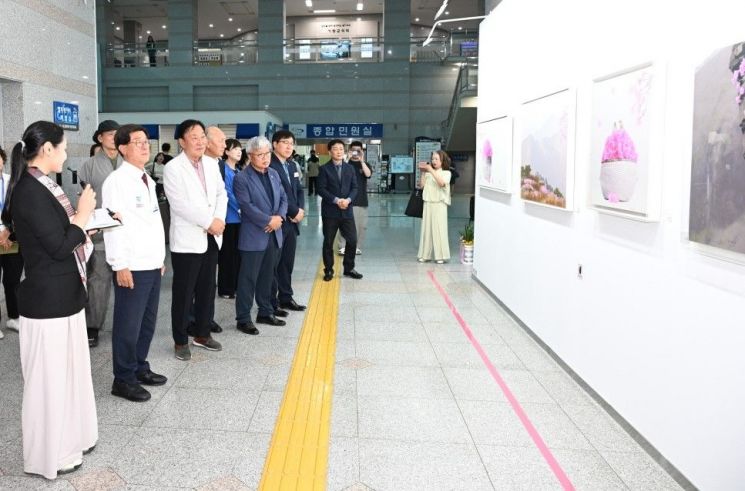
[126,55]
[334,50]
[216,53]
[465,86]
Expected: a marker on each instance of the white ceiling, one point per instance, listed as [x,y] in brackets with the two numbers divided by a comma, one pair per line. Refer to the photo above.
[153,14]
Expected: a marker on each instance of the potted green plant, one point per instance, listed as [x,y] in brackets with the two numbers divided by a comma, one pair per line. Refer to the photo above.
[466,244]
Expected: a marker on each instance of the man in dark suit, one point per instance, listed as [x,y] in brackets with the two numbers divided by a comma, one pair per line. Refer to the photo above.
[337,187]
[263,204]
[283,142]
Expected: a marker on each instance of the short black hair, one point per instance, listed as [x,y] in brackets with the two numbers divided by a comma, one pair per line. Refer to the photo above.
[312,151]
[3,155]
[122,136]
[356,144]
[281,135]
[185,126]
[166,147]
[334,142]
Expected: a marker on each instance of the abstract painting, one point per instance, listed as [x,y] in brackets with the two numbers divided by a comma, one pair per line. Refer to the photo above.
[494,154]
[546,169]
[717,205]
[621,132]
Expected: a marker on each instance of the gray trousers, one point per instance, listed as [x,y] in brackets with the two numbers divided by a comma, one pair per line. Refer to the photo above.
[100,280]
[360,224]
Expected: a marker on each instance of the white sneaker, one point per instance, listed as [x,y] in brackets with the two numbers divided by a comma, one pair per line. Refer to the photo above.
[358,252]
[12,324]
[341,251]
[2,335]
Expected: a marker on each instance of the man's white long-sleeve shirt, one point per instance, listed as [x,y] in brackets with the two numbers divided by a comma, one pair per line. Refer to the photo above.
[139,244]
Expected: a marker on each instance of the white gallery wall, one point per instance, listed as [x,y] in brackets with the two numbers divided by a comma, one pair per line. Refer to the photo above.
[654,324]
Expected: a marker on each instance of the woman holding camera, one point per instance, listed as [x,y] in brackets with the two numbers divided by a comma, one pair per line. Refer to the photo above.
[435,184]
[59,411]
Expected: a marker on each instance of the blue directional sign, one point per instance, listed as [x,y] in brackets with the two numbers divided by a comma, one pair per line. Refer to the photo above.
[347,130]
[66,115]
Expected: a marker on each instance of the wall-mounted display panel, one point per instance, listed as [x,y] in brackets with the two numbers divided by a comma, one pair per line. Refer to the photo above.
[623,170]
[547,150]
[717,205]
[494,154]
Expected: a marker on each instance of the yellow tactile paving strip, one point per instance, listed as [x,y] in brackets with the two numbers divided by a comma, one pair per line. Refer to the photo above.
[298,453]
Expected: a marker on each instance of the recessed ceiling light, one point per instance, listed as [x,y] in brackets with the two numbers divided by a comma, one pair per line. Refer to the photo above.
[112,22]
[163,26]
[140,37]
[390,51]
[222,35]
[325,11]
[460,28]
[230,19]
[447,12]
[416,20]
[85,77]
[239,29]
[118,28]
[360,6]
[148,32]
[212,25]
[308,3]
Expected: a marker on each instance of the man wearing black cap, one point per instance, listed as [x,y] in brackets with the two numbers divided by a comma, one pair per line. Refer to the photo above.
[94,172]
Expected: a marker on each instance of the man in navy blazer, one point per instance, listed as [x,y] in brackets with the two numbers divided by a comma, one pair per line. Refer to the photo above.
[337,187]
[283,142]
[263,204]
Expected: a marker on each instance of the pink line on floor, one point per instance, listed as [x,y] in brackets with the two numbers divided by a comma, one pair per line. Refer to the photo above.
[534,435]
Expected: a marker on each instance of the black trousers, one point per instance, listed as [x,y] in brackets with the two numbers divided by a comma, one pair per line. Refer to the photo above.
[229,260]
[11,266]
[255,281]
[345,226]
[282,284]
[193,280]
[311,185]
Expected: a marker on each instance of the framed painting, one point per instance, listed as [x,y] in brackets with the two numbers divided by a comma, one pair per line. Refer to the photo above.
[494,154]
[717,200]
[547,126]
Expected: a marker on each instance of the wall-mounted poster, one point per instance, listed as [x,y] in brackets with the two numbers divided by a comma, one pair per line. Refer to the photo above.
[494,154]
[621,161]
[717,207]
[547,150]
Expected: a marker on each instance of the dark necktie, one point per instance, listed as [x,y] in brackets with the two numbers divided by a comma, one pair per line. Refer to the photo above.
[338,171]
[144,179]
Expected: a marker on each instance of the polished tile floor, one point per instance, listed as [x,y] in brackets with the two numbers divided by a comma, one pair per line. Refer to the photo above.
[414,407]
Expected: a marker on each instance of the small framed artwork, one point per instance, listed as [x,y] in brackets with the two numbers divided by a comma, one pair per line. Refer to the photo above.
[494,154]
[624,165]
[547,126]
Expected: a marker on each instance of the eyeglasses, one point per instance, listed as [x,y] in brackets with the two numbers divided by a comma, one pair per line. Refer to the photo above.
[287,142]
[261,155]
[140,143]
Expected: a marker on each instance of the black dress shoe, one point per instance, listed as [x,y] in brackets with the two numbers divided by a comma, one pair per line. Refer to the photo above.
[247,327]
[92,338]
[292,305]
[280,313]
[150,378]
[215,327]
[328,275]
[353,274]
[131,392]
[270,319]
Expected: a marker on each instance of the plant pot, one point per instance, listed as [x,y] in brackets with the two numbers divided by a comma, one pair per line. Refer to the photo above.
[618,180]
[466,253]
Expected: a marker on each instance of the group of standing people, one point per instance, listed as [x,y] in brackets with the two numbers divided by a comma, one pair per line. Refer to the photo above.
[233,231]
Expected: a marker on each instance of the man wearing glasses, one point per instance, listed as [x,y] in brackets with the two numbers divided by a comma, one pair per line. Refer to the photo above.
[263,204]
[198,201]
[136,251]
[94,172]
[283,142]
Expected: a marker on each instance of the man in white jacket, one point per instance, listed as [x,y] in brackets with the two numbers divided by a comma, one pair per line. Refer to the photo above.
[198,202]
[136,252]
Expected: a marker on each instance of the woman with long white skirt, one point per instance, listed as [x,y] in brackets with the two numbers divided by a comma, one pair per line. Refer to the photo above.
[435,184]
[59,411]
